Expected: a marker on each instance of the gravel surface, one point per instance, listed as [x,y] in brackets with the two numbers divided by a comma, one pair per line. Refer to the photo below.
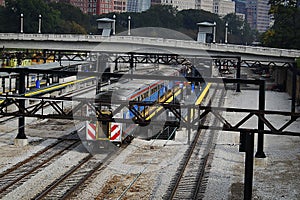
[46,176]
[152,163]
[11,155]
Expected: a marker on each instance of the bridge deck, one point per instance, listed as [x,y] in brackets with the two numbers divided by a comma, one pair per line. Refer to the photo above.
[135,43]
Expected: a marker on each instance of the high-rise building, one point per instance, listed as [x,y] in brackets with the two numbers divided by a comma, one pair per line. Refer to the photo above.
[258,14]
[240,6]
[206,5]
[86,6]
[138,5]
[92,7]
[104,6]
[223,7]
[219,7]
[120,6]
[180,5]
[156,2]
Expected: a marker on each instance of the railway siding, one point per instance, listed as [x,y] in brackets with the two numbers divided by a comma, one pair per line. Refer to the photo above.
[45,177]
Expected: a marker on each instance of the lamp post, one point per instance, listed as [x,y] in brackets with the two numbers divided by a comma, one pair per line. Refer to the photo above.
[22,22]
[129,18]
[114,25]
[40,24]
[226,32]
[214,36]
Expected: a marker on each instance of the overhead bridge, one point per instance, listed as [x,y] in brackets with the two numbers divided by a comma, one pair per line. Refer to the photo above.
[125,44]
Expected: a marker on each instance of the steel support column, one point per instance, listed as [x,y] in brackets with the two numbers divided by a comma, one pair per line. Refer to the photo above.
[45,55]
[131,63]
[260,138]
[294,85]
[248,179]
[21,87]
[9,87]
[189,127]
[238,74]
[3,85]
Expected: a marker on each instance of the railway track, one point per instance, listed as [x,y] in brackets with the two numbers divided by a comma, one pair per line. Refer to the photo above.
[76,179]
[67,184]
[189,181]
[21,172]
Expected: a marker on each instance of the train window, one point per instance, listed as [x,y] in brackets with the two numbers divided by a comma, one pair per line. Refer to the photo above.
[146,94]
[153,90]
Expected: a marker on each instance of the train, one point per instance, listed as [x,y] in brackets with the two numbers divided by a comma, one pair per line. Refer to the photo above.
[128,90]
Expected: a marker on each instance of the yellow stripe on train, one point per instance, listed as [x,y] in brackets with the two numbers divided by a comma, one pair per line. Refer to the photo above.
[159,108]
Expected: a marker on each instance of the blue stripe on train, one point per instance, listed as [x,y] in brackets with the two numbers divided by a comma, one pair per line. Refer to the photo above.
[151,98]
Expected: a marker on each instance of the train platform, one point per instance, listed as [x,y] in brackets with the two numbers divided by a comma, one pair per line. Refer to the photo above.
[276,176]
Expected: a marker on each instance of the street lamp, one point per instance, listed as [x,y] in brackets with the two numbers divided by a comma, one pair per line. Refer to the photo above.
[114,25]
[214,36]
[129,18]
[40,24]
[226,32]
[22,22]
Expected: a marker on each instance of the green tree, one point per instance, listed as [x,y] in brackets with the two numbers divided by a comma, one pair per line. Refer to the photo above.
[285,33]
[74,20]
[188,19]
[56,17]
[184,21]
[31,9]
[239,30]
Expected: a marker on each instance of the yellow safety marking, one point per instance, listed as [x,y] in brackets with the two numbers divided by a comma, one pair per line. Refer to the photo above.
[56,87]
[105,112]
[199,100]
[203,94]
[30,86]
[160,107]
[103,139]
[99,128]
[191,116]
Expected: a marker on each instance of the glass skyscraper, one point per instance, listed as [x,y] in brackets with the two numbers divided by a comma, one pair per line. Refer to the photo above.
[138,5]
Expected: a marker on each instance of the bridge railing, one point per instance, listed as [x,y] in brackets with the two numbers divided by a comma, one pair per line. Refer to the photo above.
[188,44]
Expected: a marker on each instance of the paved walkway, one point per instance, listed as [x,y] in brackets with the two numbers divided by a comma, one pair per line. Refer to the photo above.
[275,177]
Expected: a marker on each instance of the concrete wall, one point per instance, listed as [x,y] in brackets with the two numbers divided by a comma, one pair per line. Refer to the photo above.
[289,86]
[279,75]
[283,81]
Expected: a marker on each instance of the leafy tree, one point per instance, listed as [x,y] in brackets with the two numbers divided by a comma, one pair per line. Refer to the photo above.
[188,20]
[291,3]
[56,17]
[75,20]
[285,33]
[239,30]
[64,18]
[31,9]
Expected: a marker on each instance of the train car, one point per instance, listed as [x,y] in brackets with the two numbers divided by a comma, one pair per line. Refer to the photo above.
[141,91]
[128,90]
